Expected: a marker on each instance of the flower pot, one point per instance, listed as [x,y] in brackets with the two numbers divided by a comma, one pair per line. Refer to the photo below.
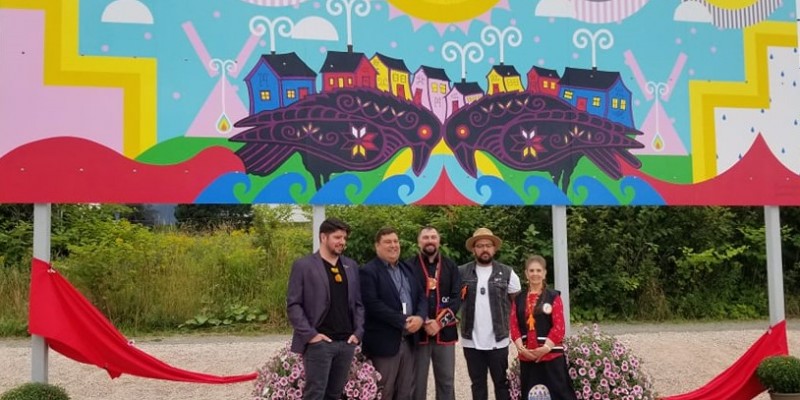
[784,396]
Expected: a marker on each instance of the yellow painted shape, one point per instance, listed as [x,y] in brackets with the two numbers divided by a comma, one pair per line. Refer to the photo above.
[705,97]
[382,80]
[441,149]
[494,79]
[444,10]
[732,4]
[400,165]
[513,84]
[486,166]
[64,66]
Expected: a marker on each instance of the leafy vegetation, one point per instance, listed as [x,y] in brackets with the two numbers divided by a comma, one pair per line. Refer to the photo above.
[625,263]
[36,391]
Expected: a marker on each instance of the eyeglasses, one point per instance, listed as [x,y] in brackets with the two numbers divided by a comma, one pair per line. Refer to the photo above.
[336,275]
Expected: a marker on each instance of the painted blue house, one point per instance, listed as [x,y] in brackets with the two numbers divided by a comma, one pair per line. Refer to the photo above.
[278,80]
[599,92]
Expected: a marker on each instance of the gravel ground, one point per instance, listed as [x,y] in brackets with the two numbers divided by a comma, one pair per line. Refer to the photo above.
[680,357]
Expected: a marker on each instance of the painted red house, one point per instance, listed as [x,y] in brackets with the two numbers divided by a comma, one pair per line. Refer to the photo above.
[543,80]
[346,69]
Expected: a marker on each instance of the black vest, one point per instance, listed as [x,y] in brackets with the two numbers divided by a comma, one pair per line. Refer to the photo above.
[544,322]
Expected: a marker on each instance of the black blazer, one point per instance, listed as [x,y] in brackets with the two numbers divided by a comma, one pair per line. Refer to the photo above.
[383,311]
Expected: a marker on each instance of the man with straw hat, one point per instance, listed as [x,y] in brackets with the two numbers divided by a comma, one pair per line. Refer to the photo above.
[486,289]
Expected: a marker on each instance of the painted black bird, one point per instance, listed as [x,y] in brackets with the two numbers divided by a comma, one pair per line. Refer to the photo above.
[337,131]
[534,132]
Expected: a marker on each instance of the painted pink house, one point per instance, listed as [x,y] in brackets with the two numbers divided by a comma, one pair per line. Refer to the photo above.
[429,89]
[462,94]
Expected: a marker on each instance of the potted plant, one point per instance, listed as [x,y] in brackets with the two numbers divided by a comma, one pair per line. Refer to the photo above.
[35,391]
[781,376]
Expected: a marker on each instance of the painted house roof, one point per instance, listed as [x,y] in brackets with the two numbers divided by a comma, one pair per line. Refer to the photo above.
[392,63]
[505,70]
[288,65]
[468,88]
[435,73]
[341,61]
[589,78]
[547,73]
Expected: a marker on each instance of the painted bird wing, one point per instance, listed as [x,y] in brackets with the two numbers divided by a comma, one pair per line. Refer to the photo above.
[354,129]
[536,132]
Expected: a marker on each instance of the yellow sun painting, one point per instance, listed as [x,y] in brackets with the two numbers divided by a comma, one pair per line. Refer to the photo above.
[444,13]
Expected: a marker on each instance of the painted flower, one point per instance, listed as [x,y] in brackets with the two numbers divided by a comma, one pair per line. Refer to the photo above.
[363,141]
[533,144]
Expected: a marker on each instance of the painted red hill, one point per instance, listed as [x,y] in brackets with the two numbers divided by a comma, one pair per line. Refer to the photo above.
[444,192]
[758,178]
[75,170]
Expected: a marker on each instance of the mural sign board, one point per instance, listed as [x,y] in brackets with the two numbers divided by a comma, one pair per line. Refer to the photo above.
[514,102]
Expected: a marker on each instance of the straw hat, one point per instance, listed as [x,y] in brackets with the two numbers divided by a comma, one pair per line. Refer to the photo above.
[483,233]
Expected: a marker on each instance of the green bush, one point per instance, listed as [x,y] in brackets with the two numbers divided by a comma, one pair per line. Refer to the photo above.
[780,374]
[36,391]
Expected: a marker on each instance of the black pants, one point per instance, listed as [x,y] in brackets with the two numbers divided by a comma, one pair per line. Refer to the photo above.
[495,362]
[552,374]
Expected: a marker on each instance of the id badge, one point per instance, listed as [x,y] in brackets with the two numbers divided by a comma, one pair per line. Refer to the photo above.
[405,308]
[431,283]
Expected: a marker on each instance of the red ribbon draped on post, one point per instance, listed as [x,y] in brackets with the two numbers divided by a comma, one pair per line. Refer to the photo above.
[73,327]
[739,381]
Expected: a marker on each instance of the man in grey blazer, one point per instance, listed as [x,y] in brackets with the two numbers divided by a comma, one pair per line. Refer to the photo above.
[324,306]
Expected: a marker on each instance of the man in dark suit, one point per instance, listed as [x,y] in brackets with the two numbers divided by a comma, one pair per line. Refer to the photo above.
[325,309]
[395,308]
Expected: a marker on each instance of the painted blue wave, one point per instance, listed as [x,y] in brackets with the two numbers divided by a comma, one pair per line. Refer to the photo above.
[388,191]
[221,191]
[335,191]
[641,192]
[549,193]
[500,193]
[279,190]
[592,192]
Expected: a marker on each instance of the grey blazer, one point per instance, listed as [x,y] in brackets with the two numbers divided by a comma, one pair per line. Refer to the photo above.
[308,298]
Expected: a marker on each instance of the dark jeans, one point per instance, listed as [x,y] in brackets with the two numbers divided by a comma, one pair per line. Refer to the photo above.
[495,362]
[327,366]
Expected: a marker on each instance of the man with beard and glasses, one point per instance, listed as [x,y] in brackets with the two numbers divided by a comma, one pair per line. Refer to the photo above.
[487,288]
[323,302]
[439,278]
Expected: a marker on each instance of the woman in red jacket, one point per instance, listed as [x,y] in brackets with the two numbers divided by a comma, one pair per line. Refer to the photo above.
[537,329]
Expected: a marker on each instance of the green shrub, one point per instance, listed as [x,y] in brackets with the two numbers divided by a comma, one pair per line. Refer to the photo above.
[780,374]
[36,391]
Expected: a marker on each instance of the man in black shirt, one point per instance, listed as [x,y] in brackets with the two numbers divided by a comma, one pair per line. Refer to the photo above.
[323,302]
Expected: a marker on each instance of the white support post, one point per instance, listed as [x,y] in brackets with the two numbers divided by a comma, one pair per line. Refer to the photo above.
[42,216]
[317,216]
[772,220]
[560,259]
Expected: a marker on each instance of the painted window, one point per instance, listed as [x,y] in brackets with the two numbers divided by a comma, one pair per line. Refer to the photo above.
[552,85]
[330,81]
[291,93]
[615,103]
[568,94]
[442,88]
[341,82]
[623,104]
[350,81]
[434,88]
[265,95]
[544,84]
[595,102]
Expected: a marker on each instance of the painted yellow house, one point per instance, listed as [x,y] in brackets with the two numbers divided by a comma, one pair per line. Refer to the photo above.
[393,75]
[504,78]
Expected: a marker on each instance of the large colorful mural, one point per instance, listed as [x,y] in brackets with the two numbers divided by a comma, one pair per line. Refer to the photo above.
[514,102]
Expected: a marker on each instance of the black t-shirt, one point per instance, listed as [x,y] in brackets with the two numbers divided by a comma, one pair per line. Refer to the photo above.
[337,324]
